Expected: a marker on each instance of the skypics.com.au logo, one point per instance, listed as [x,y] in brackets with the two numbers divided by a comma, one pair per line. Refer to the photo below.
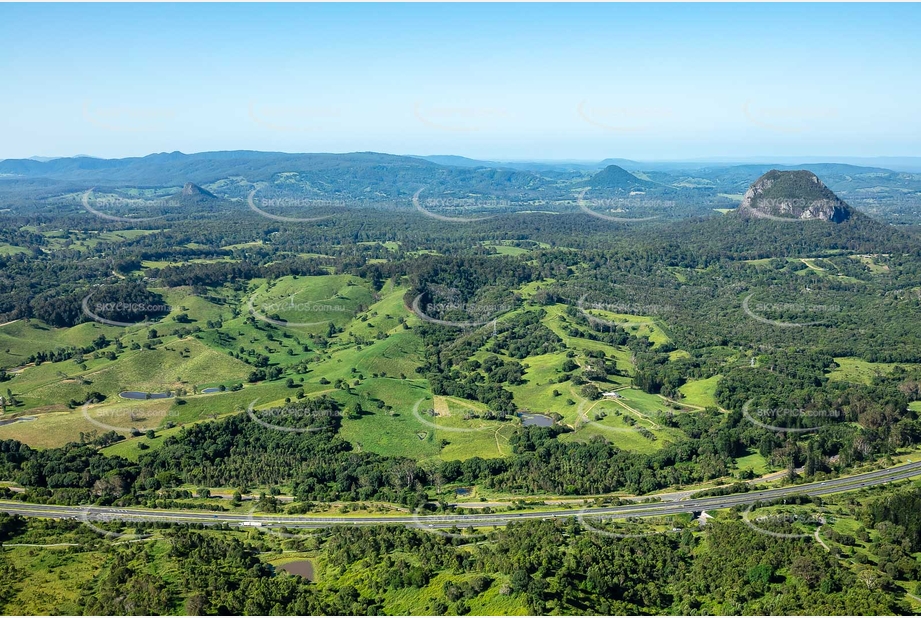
[293,118]
[151,417]
[113,202]
[297,418]
[128,118]
[790,119]
[295,203]
[620,307]
[89,514]
[458,119]
[122,313]
[455,205]
[758,311]
[444,302]
[622,118]
[623,526]
[811,209]
[767,418]
[786,519]
[620,205]
[431,413]
[272,312]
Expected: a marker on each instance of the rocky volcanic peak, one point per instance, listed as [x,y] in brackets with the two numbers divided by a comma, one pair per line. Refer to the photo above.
[193,190]
[615,177]
[193,195]
[793,195]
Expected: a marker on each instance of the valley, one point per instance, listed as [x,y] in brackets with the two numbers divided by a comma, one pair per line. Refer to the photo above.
[272,381]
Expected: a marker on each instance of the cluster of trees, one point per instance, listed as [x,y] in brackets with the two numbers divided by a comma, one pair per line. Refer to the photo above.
[548,567]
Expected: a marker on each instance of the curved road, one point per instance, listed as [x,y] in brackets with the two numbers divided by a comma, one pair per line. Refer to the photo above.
[94,513]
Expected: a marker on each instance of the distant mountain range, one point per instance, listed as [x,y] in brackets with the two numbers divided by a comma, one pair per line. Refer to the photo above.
[356,174]
[898,164]
[697,188]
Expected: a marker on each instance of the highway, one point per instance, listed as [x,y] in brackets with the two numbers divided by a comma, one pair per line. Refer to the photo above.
[97,513]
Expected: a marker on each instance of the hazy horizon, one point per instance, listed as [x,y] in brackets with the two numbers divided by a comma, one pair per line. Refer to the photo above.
[495,82]
[780,159]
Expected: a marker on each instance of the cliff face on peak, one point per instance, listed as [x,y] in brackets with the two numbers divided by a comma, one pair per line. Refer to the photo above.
[193,194]
[793,195]
[193,190]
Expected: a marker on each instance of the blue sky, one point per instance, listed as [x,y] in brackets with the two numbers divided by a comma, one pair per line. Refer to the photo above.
[516,81]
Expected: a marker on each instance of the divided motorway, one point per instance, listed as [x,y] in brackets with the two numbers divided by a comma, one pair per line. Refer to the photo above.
[97,513]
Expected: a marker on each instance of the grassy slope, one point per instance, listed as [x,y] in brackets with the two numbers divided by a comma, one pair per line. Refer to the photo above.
[55,577]
[371,353]
[857,370]
[701,392]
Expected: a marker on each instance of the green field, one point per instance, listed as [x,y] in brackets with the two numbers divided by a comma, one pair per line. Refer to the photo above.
[22,338]
[7,249]
[870,261]
[857,370]
[374,343]
[701,392]
[376,353]
[56,577]
[83,240]
[312,300]
[755,462]
[184,364]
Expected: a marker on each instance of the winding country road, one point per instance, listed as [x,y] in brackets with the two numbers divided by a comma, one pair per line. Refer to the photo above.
[96,513]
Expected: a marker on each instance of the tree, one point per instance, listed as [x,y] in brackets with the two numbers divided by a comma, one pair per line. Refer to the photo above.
[354,411]
[590,392]
[520,581]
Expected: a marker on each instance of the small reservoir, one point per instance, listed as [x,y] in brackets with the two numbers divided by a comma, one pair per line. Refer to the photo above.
[539,420]
[144,396]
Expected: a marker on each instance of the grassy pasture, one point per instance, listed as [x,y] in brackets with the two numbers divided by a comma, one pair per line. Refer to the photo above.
[556,321]
[22,338]
[183,364]
[536,395]
[7,249]
[755,462]
[857,370]
[639,326]
[408,431]
[606,418]
[82,240]
[507,249]
[164,263]
[529,289]
[307,300]
[56,576]
[396,432]
[373,349]
[49,429]
[701,392]
[870,261]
